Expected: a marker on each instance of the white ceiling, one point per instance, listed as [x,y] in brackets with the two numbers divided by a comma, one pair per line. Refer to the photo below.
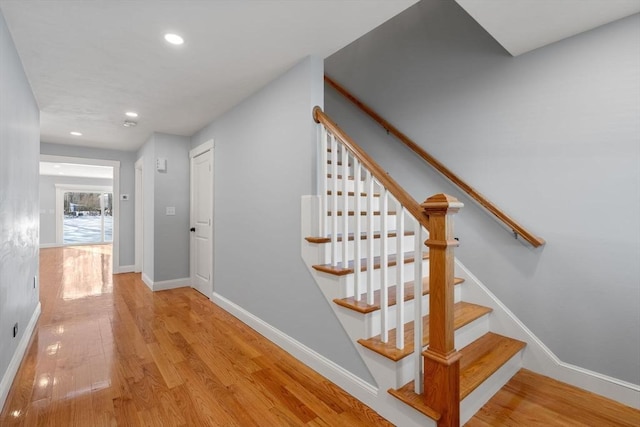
[76,170]
[89,62]
[523,25]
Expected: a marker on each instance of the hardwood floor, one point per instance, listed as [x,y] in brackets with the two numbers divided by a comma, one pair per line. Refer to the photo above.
[107,351]
[533,400]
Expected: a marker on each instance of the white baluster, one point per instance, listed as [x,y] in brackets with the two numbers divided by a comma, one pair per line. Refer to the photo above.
[322,177]
[357,174]
[345,207]
[384,268]
[334,201]
[400,277]
[417,319]
[370,241]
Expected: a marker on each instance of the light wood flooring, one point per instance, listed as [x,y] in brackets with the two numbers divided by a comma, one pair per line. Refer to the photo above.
[107,351]
[533,400]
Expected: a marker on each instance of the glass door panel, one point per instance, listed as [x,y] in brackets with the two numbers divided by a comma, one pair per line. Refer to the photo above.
[87,217]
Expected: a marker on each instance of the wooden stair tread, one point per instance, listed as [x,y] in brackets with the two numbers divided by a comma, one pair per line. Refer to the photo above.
[463,314]
[362,213]
[409,294]
[339,270]
[407,395]
[483,357]
[352,193]
[363,236]
[479,361]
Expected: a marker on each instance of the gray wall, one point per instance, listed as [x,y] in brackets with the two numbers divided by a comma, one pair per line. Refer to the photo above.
[166,237]
[19,137]
[264,159]
[48,201]
[171,240]
[127,186]
[552,136]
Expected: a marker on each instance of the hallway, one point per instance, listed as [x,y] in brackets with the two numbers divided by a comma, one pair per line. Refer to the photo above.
[107,351]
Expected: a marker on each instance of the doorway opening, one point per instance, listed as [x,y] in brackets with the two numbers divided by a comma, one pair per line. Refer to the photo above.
[80,203]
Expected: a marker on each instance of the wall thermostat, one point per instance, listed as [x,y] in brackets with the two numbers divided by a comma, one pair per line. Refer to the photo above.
[161,164]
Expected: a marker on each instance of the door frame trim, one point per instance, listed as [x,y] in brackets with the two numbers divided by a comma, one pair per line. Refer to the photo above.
[138,239]
[193,153]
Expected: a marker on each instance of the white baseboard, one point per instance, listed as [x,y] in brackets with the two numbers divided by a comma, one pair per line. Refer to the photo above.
[14,364]
[147,281]
[50,245]
[539,358]
[171,284]
[335,373]
[126,269]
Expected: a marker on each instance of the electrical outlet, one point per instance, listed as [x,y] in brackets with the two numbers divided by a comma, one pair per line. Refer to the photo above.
[15,330]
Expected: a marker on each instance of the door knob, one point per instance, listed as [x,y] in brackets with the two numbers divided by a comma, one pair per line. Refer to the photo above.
[193,229]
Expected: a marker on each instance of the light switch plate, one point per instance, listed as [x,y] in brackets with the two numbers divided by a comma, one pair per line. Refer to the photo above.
[171,210]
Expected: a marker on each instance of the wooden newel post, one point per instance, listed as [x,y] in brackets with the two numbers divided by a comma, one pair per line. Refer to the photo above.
[441,359]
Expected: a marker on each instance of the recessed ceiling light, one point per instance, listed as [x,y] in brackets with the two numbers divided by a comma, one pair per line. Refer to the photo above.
[131,114]
[173,38]
[74,133]
[129,123]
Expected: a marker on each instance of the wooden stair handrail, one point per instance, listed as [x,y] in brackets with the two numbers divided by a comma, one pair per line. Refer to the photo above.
[432,161]
[399,193]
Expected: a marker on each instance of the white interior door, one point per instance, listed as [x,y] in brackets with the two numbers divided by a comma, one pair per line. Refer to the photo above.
[201,218]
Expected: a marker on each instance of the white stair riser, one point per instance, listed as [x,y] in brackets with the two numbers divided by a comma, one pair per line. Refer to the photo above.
[364,223]
[392,243]
[351,203]
[350,185]
[348,281]
[373,319]
[470,332]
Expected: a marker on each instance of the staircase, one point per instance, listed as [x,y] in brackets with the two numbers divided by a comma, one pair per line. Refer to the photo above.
[366,237]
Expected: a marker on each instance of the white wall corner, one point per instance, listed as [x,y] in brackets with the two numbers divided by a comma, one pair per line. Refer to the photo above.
[14,364]
[147,281]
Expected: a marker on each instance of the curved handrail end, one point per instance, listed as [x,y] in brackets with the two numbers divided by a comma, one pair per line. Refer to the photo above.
[315,113]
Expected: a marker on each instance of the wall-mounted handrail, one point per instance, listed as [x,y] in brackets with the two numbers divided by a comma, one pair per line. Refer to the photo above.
[399,193]
[517,228]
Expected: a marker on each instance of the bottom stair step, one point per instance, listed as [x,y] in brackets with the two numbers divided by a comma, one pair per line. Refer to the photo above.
[483,357]
[479,361]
